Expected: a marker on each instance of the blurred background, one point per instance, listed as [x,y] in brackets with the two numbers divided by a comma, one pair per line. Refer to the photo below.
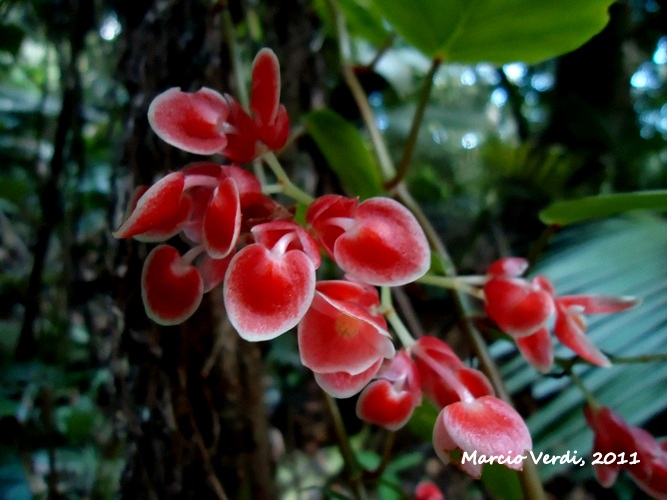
[96,401]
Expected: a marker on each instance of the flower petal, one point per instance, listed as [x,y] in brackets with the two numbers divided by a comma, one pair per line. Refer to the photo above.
[598,304]
[332,340]
[489,426]
[570,329]
[344,385]
[213,270]
[265,92]
[517,306]
[242,134]
[190,121]
[168,228]
[386,246]
[222,220]
[265,293]
[171,290]
[538,349]
[159,204]
[510,267]
[380,403]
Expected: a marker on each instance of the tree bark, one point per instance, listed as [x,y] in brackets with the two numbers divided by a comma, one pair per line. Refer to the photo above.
[192,400]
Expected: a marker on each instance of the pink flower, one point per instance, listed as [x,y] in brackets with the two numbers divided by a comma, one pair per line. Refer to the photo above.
[206,122]
[469,432]
[377,241]
[634,451]
[343,338]
[270,284]
[523,310]
[390,400]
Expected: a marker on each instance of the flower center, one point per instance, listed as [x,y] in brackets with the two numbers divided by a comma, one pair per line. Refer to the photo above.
[346,326]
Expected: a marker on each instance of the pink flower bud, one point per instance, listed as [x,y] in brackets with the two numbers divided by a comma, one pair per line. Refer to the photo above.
[390,400]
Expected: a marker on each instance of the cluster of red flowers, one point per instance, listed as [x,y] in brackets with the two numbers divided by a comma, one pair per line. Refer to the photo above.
[266,262]
[471,418]
[267,265]
[523,309]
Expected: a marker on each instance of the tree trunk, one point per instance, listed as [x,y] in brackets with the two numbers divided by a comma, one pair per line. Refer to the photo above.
[192,398]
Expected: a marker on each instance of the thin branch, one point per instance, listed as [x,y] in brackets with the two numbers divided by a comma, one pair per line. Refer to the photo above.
[417,119]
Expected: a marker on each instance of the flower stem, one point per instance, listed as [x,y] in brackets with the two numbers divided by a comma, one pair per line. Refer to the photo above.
[394,320]
[452,283]
[350,459]
[387,169]
[288,188]
[414,128]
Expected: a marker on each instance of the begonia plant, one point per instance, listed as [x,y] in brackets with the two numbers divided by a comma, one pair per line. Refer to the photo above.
[268,262]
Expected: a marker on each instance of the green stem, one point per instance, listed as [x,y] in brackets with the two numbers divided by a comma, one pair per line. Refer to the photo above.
[287,187]
[350,459]
[644,358]
[417,119]
[394,320]
[580,384]
[452,283]
[387,169]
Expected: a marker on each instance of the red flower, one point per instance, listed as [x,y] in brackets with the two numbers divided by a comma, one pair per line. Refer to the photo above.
[206,122]
[171,288]
[343,338]
[469,432]
[634,450]
[377,241]
[270,284]
[523,308]
[432,356]
[390,400]
[427,490]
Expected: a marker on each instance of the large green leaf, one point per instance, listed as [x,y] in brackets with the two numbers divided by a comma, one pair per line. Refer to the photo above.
[497,31]
[345,150]
[567,212]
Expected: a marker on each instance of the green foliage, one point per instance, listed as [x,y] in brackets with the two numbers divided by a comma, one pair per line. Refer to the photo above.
[502,483]
[344,148]
[496,31]
[567,212]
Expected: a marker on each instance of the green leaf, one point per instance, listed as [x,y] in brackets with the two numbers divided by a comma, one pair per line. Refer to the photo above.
[343,147]
[496,31]
[567,212]
[502,483]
